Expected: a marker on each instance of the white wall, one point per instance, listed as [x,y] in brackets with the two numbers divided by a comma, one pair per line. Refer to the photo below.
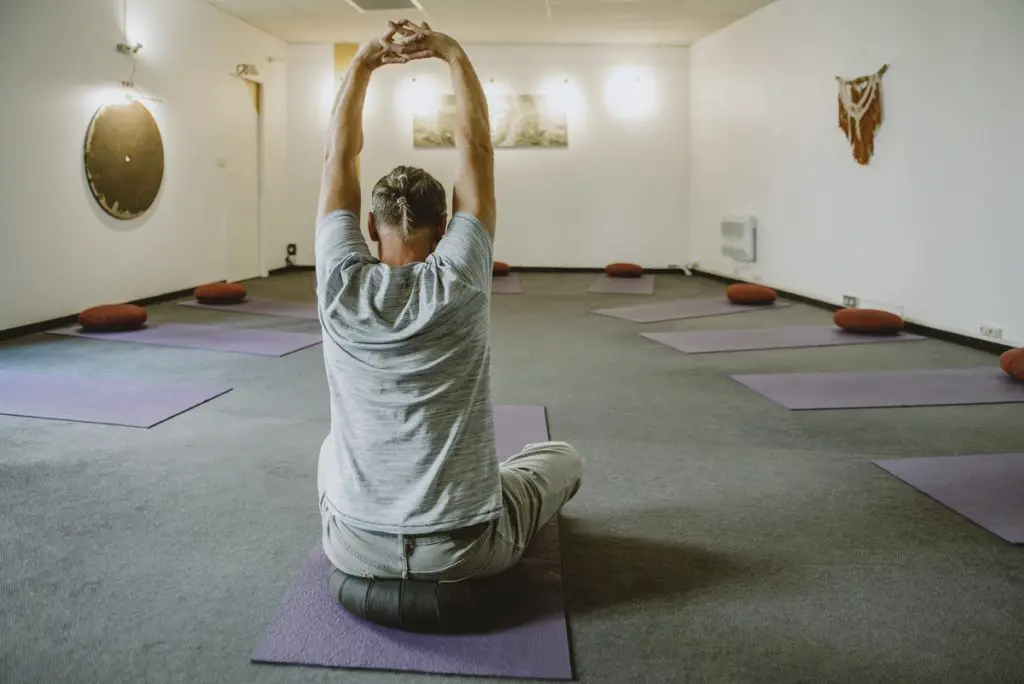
[59,252]
[932,225]
[619,192]
[310,96]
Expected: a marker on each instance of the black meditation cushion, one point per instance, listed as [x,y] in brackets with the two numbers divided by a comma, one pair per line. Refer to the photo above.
[868,321]
[112,318]
[623,270]
[501,268]
[1012,363]
[750,293]
[221,293]
[416,606]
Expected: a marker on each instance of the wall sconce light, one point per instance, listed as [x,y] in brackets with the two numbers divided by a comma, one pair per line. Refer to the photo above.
[497,95]
[494,91]
[629,93]
[128,91]
[247,70]
[561,97]
[421,98]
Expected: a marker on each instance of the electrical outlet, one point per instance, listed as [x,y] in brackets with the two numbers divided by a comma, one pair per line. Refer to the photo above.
[292,249]
[675,266]
[992,331]
[849,301]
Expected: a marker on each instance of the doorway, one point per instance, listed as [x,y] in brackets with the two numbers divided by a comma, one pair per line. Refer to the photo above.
[243,231]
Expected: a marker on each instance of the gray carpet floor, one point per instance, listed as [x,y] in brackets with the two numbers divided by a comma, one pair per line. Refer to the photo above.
[718,537]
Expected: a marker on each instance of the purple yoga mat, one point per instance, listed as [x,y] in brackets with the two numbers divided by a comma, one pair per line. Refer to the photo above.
[516,425]
[208,337]
[264,307]
[681,308]
[710,341]
[885,389]
[644,285]
[99,400]
[508,284]
[987,489]
[312,629]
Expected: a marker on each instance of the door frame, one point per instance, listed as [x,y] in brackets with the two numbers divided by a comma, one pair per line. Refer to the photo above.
[256,88]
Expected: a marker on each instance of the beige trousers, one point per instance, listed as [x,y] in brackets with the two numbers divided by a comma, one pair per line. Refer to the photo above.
[535,484]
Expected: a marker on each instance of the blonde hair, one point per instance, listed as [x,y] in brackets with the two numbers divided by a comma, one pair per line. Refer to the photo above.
[408,199]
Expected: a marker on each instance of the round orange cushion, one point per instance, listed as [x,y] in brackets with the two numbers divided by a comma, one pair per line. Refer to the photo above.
[1012,363]
[868,321]
[622,270]
[221,293]
[112,318]
[501,268]
[749,293]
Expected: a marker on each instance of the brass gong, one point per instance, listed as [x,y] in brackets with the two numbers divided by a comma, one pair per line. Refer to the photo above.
[124,159]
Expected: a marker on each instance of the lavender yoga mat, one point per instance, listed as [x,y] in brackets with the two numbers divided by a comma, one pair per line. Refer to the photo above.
[312,629]
[710,341]
[508,284]
[644,285]
[208,337]
[681,308]
[264,307]
[987,489]
[99,400]
[885,389]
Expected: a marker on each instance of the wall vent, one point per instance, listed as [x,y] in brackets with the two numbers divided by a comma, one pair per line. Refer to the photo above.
[739,238]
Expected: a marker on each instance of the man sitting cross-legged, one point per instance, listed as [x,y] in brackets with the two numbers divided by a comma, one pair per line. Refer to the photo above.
[409,481]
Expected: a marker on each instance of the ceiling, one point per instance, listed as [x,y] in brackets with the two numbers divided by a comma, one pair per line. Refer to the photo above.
[643,22]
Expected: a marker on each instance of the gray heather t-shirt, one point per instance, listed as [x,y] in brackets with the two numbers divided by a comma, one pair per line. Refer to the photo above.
[407,353]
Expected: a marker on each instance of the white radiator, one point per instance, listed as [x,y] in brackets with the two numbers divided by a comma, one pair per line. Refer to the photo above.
[739,238]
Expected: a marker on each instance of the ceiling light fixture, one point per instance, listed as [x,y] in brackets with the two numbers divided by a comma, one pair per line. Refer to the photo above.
[363,6]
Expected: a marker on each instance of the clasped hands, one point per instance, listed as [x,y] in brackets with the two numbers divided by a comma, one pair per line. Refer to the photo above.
[405,41]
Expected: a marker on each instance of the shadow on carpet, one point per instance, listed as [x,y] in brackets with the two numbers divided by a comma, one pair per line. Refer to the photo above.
[608,569]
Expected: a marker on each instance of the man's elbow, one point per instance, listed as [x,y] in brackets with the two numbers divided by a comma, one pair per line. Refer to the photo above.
[341,157]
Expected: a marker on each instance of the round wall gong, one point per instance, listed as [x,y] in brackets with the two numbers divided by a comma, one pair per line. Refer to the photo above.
[124,159]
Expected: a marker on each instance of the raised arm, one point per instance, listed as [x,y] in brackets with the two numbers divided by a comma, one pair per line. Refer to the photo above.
[474,179]
[339,183]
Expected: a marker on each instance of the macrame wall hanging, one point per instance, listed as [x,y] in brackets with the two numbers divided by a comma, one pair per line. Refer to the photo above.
[860,112]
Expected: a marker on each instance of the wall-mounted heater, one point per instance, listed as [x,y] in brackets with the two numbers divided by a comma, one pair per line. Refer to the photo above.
[739,238]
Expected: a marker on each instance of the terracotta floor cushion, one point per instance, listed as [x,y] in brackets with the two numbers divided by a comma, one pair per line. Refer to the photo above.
[1012,363]
[750,294]
[868,321]
[221,293]
[112,318]
[624,270]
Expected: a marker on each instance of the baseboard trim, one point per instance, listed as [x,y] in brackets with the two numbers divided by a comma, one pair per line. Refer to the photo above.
[291,269]
[555,269]
[589,269]
[915,328]
[518,269]
[43,326]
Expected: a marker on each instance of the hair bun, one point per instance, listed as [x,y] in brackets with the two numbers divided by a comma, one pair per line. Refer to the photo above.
[402,201]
